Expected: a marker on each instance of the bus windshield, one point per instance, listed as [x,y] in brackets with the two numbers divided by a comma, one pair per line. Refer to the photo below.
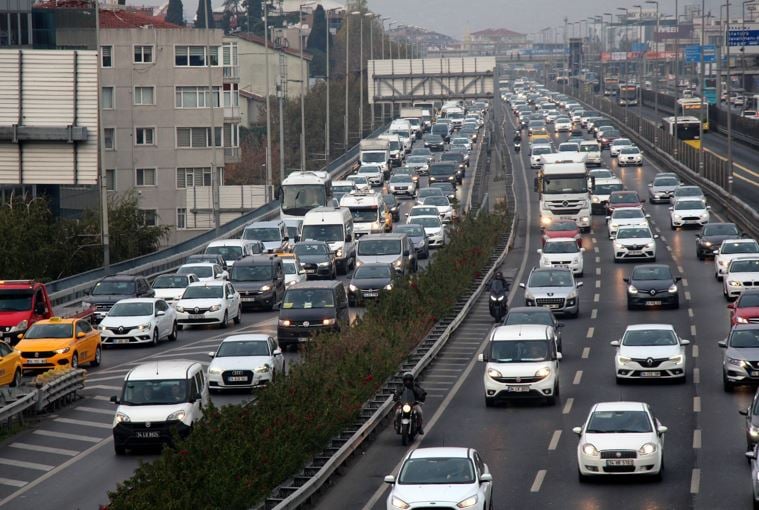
[297,200]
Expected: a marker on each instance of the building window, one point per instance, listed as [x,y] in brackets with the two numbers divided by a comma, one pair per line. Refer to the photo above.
[197,137]
[231,95]
[195,97]
[231,135]
[193,177]
[107,98]
[181,218]
[144,177]
[144,96]
[106,56]
[110,179]
[149,217]
[143,54]
[109,139]
[144,136]
[190,56]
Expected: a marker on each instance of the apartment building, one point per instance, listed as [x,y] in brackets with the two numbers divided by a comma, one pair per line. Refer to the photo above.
[170,115]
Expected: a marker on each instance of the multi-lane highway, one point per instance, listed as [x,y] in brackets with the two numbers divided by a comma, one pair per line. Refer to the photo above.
[531,449]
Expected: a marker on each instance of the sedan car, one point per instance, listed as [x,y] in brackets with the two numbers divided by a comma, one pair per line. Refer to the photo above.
[433,142]
[59,342]
[625,198]
[433,228]
[652,285]
[711,237]
[139,321]
[402,185]
[418,237]
[616,146]
[316,259]
[630,156]
[555,289]
[369,281]
[448,189]
[245,362]
[662,187]
[688,193]
[562,253]
[428,192]
[752,423]
[562,124]
[170,287]
[209,303]
[562,229]
[11,366]
[688,212]
[420,164]
[444,207]
[360,182]
[745,310]
[441,478]
[742,273]
[620,438]
[731,249]
[600,191]
[649,351]
[740,364]
[634,243]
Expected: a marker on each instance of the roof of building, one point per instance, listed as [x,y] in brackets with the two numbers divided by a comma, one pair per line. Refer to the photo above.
[496,32]
[250,95]
[112,17]
[256,39]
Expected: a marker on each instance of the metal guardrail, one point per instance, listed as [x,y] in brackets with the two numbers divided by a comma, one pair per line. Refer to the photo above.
[59,389]
[73,288]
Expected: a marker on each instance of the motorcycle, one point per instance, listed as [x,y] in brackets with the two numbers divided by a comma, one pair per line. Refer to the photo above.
[406,421]
[498,305]
[517,146]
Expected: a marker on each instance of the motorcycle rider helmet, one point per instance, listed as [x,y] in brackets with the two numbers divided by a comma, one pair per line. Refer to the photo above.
[498,275]
[408,377]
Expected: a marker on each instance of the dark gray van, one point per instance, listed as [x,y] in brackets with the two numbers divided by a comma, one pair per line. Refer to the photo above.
[260,280]
[310,308]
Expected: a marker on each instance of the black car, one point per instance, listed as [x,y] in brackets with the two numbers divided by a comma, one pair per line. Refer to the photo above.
[752,422]
[652,285]
[711,236]
[316,259]
[213,258]
[535,315]
[434,142]
[440,129]
[310,308]
[456,158]
[393,206]
[114,288]
[260,280]
[369,281]
[444,172]
[448,188]
[418,238]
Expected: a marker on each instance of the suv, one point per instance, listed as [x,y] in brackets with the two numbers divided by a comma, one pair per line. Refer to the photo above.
[556,289]
[740,365]
[114,288]
[260,280]
[272,233]
[310,308]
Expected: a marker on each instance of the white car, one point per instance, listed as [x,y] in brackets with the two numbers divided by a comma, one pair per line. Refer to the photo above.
[617,146]
[360,182]
[688,193]
[444,207]
[630,156]
[294,273]
[649,351]
[441,478]
[569,147]
[633,243]
[592,151]
[626,217]
[600,192]
[245,361]
[599,173]
[562,124]
[731,249]
[688,212]
[562,253]
[402,185]
[433,229]
[139,321]
[536,154]
[205,271]
[742,273]
[373,174]
[462,140]
[170,287]
[620,438]
[209,303]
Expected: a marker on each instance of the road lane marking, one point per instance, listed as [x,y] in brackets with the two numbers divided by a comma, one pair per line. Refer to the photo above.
[696,404]
[697,439]
[596,297]
[685,282]
[591,331]
[109,412]
[695,481]
[696,376]
[586,353]
[598,271]
[595,249]
[598,261]
[690,312]
[680,269]
[25,465]
[693,330]
[554,440]
[598,284]
[669,248]
[695,351]
[658,230]
[687,295]
[45,449]
[86,423]
[64,435]
[568,406]
[594,313]
[578,377]
[538,481]
[12,483]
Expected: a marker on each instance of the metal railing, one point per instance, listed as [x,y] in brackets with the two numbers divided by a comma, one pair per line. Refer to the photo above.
[58,390]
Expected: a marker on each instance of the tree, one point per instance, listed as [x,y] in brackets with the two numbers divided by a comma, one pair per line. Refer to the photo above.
[130,237]
[251,15]
[317,42]
[175,13]
[204,7]
[232,14]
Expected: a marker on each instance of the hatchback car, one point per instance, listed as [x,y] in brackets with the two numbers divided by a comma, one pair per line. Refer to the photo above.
[745,310]
[730,249]
[316,259]
[139,321]
[369,281]
[562,253]
[650,351]
[652,285]
[634,243]
[170,287]
[740,364]
[555,289]
[688,193]
[688,212]
[712,235]
[625,198]
[616,146]
[245,362]
[562,229]
[742,273]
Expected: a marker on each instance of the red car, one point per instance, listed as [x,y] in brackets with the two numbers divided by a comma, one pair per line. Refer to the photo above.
[745,309]
[624,198]
[563,229]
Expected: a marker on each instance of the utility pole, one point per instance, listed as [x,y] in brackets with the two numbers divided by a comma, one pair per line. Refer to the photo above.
[361,77]
[677,75]
[655,81]
[371,55]
[326,120]
[701,85]
[269,175]
[729,113]
[303,80]
[104,226]
[347,75]
[641,63]
[215,174]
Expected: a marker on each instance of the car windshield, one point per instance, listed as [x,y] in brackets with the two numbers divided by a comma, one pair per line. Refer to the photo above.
[621,141]
[373,157]
[289,266]
[541,316]
[748,299]
[561,226]
[400,178]
[228,252]
[421,152]
[460,140]
[416,160]
[112,287]
[720,229]
[649,337]
[623,198]
[651,273]
[428,221]
[265,234]
[689,191]
[589,148]
[630,150]
[15,300]
[49,331]
[445,187]
[168,281]
[369,170]
[625,422]
[442,169]
[745,338]
[561,247]
[522,351]
[568,147]
[423,211]
[302,299]
[347,188]
[634,233]
[251,273]
[364,215]
[379,247]
[202,292]
[537,151]
[744,266]
[562,120]
[442,201]
[151,393]
[306,249]
[437,470]
[550,279]
[131,310]
[243,348]
[326,233]
[666,181]
[370,272]
[199,271]
[412,230]
[627,214]
[607,189]
[688,205]
[565,185]
[430,192]
[729,247]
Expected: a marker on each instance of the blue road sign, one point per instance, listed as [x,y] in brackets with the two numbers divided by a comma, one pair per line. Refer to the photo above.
[748,37]
[639,47]
[693,53]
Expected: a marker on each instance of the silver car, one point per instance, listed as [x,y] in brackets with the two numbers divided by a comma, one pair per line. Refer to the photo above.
[740,364]
[662,188]
[555,289]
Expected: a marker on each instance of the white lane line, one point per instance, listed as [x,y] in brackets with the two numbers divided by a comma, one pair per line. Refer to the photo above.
[595,249]
[690,312]
[594,240]
[586,353]
[695,351]
[187,353]
[538,481]
[86,423]
[693,330]
[99,397]
[687,295]
[685,282]
[191,347]
[658,230]
[594,313]
[680,269]
[568,406]
[668,247]
[554,440]
[598,271]
[109,412]
[696,376]
[25,465]
[64,435]
[596,297]
[103,387]
[697,439]
[591,331]
[697,404]
[12,483]
[45,449]
[577,379]
[695,481]
[598,261]
[440,376]
[598,284]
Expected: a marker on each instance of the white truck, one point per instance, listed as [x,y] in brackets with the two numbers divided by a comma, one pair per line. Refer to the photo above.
[375,151]
[368,211]
[563,189]
[416,117]
[402,128]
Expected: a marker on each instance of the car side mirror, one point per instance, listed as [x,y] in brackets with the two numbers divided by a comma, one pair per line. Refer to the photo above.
[580,284]
[608,218]
[486,478]
[743,412]
[678,279]
[577,430]
[671,208]
[277,352]
[750,455]
[715,252]
[661,429]
[626,280]
[559,356]
[684,341]
[160,313]
[731,306]
[708,208]
[614,343]
[656,236]
[722,344]
[650,185]
[540,251]
[114,399]
[390,479]
[522,285]
[211,354]
[482,357]
[80,334]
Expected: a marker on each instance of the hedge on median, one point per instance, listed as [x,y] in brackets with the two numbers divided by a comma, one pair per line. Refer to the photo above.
[238,454]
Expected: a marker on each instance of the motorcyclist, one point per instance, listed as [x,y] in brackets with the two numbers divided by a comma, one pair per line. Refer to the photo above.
[517,137]
[499,285]
[409,384]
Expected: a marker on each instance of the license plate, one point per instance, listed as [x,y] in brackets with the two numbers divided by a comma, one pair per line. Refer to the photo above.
[755,373]
[310,271]
[197,314]
[634,252]
[566,218]
[153,434]
[36,361]
[303,339]
[649,374]
[619,462]
[653,303]
[561,266]
[121,340]
[371,294]
[247,299]
[518,389]
[553,306]
[238,378]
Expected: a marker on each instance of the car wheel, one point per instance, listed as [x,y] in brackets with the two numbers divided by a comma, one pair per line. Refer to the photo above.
[75,361]
[98,357]
[16,382]
[119,449]
[727,385]
[173,334]
[582,478]
[225,321]
[154,341]
[489,402]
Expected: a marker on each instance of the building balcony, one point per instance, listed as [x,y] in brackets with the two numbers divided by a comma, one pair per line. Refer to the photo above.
[231,74]
[232,155]
[232,113]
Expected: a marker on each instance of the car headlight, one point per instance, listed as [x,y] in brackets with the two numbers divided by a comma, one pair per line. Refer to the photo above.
[734,361]
[677,216]
[86,304]
[263,369]
[323,264]
[176,415]
[672,289]
[543,372]
[596,200]
[734,283]
[707,243]
[180,308]
[753,431]
[122,418]
[145,327]
[545,262]
[741,320]
[572,295]
[328,322]
[215,308]
[493,373]
[389,286]
[214,370]
[590,450]
[676,359]
[650,245]
[21,326]
[399,503]
[647,449]
[339,253]
[63,351]
[468,502]
[102,328]
[359,263]
[398,263]
[265,288]
[545,220]
[623,360]
[406,408]
[352,288]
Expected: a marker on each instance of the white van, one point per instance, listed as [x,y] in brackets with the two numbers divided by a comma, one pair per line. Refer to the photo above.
[272,233]
[158,398]
[231,249]
[368,211]
[402,128]
[334,226]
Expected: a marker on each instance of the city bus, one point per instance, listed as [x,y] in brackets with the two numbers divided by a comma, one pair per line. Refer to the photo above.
[302,191]
[687,129]
[628,95]
[690,106]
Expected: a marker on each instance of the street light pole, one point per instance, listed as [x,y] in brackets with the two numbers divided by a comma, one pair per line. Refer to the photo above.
[371,53]
[326,120]
[677,73]
[347,76]
[729,113]
[103,175]
[361,77]
[702,104]
[655,83]
[641,64]
[303,80]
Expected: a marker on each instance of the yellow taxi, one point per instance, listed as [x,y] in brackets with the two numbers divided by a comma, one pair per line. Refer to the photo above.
[59,342]
[539,135]
[10,365]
